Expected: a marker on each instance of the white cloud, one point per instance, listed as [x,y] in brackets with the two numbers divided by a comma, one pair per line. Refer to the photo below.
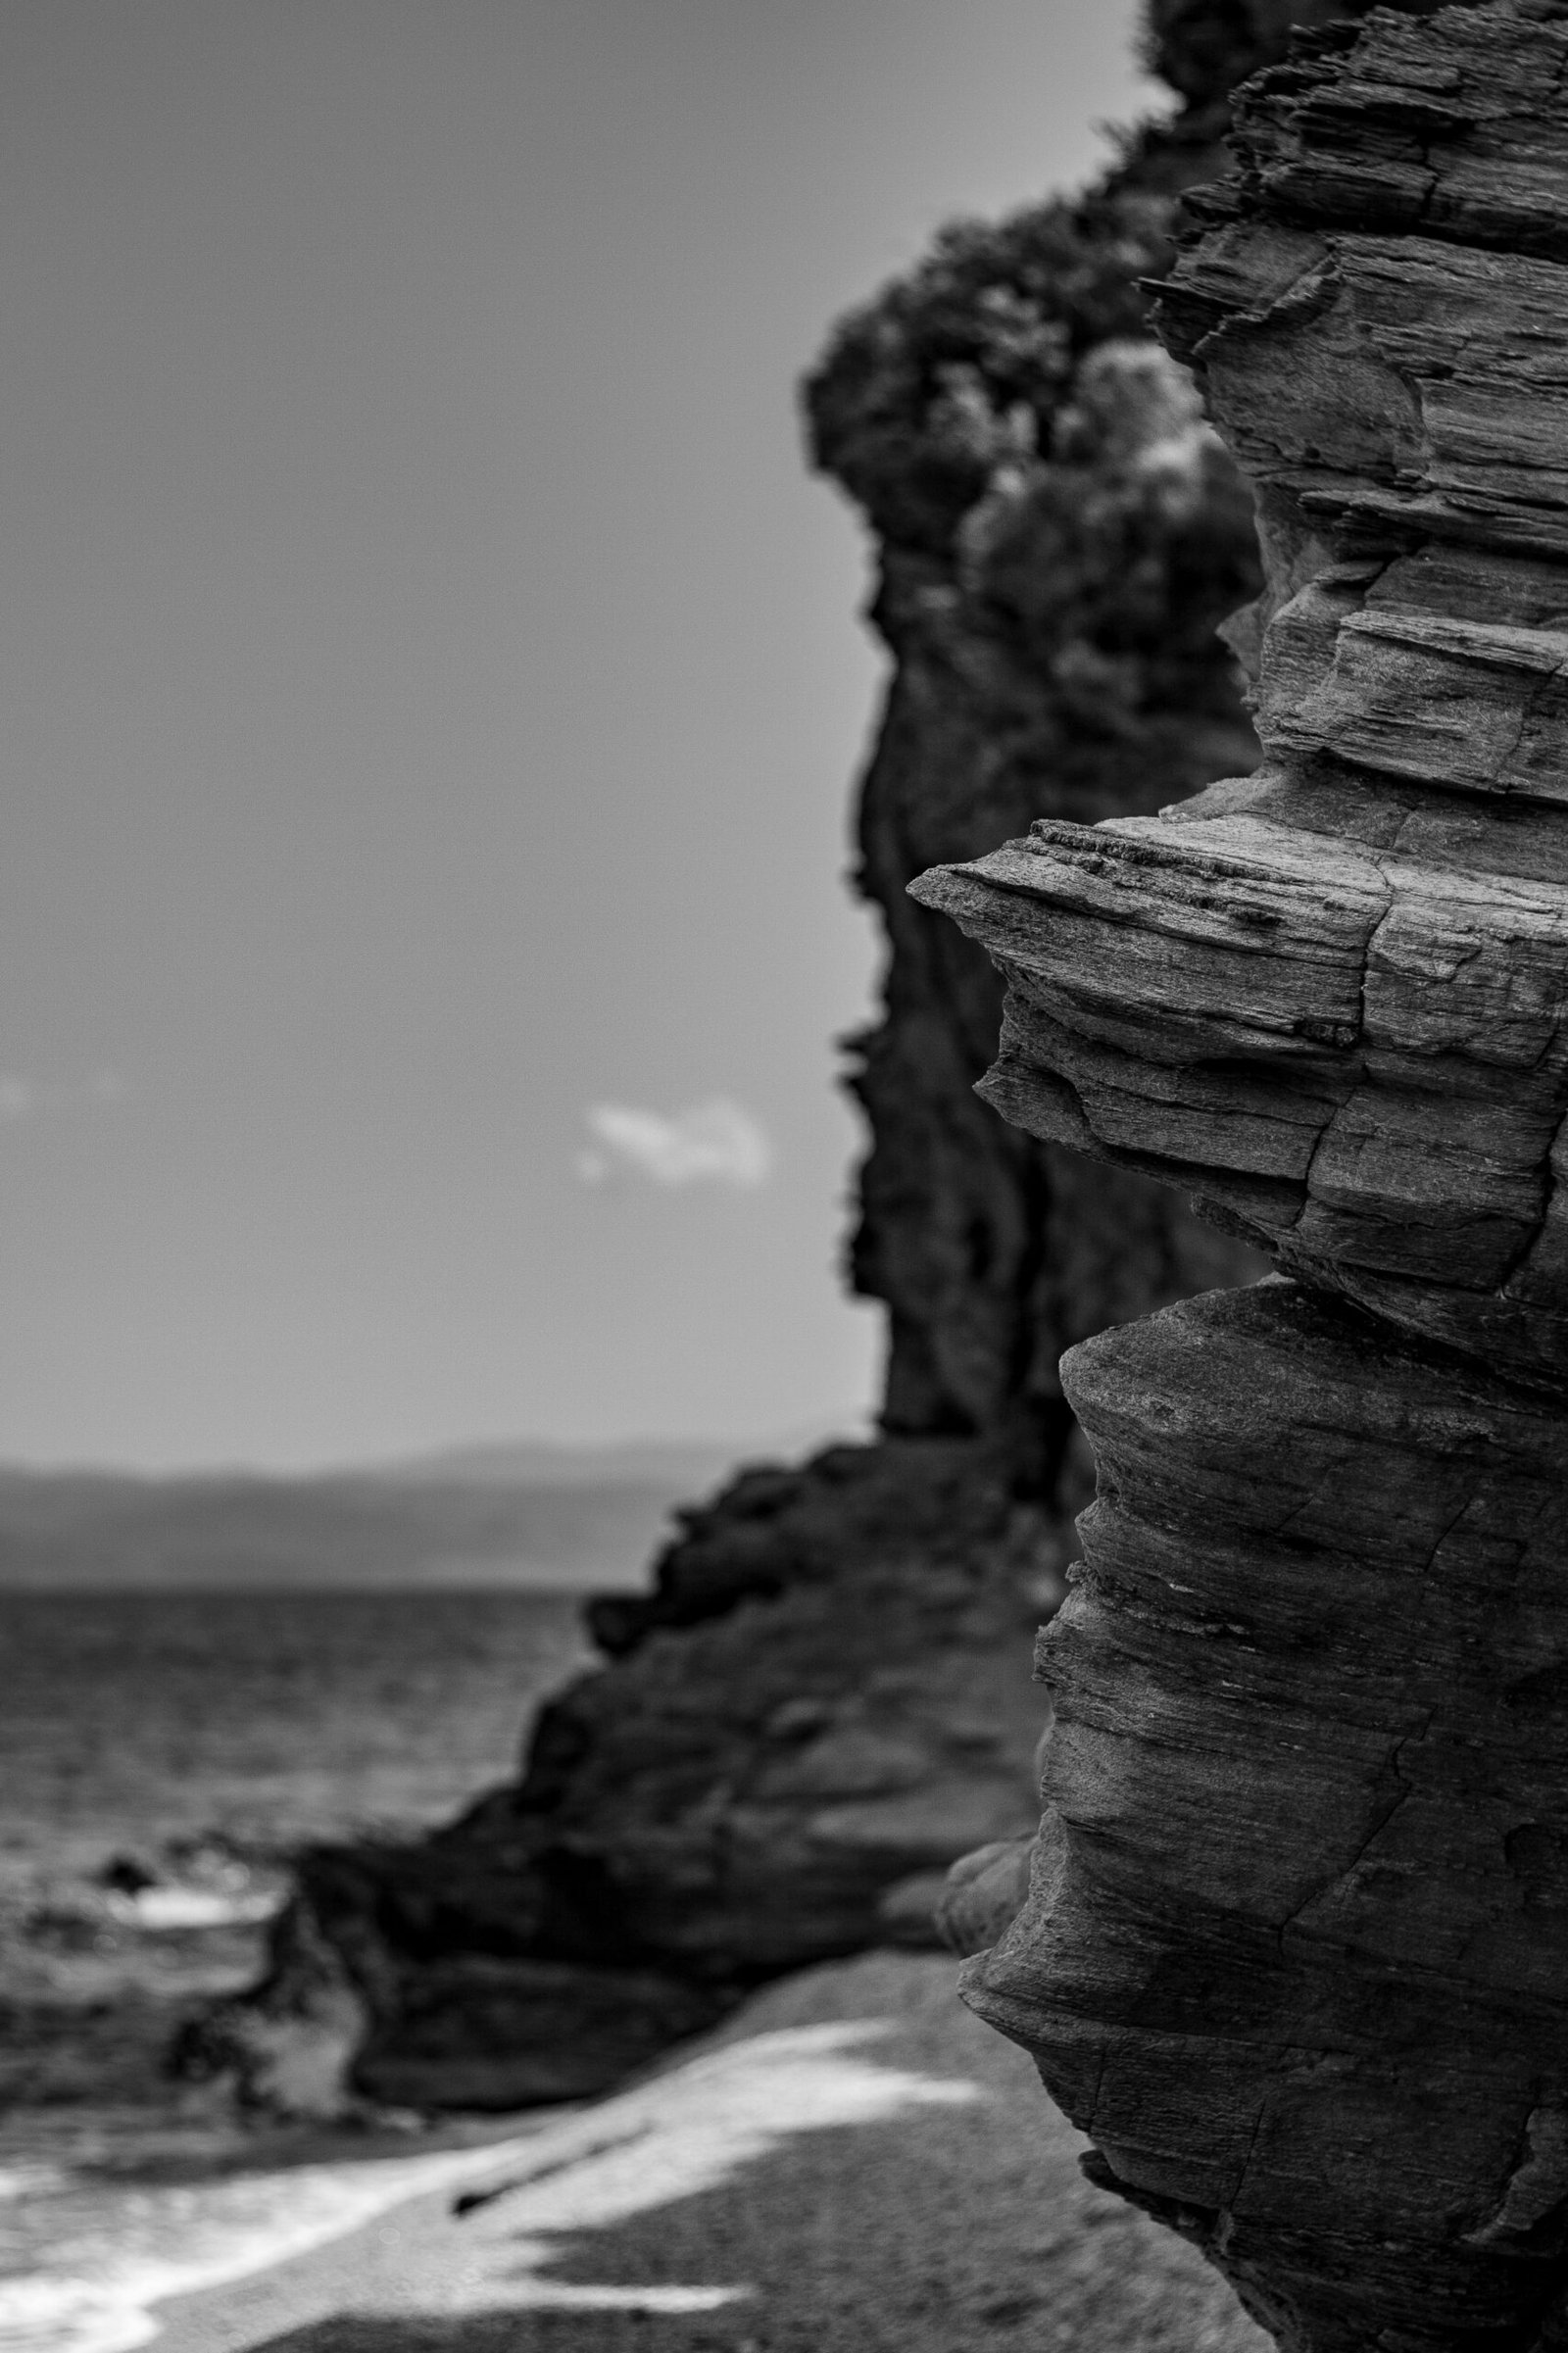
[714,1142]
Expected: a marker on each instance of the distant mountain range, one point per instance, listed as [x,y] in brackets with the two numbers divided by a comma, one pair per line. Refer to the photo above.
[509,1515]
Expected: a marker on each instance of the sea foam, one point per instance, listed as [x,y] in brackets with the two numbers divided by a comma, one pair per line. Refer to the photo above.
[117,2254]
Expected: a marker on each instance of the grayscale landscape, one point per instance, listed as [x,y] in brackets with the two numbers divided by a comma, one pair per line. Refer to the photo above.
[821,752]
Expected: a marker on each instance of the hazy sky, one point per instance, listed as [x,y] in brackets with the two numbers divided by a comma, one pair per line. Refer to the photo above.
[431,688]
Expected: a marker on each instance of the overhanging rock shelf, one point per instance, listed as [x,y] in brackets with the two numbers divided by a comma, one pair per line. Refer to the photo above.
[1296,1951]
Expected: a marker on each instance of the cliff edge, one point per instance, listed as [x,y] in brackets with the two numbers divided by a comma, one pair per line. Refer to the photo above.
[825,1697]
[1291,1952]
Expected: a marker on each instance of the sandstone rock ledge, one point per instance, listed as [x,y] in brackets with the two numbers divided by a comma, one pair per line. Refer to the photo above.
[1294,1952]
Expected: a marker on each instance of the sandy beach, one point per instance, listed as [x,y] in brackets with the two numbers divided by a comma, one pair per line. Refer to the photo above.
[852,2164]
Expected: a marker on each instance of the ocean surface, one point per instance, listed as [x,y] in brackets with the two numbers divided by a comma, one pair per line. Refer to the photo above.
[134,1719]
[160,1755]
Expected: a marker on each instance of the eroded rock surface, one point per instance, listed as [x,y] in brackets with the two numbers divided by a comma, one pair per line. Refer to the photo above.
[1294,1950]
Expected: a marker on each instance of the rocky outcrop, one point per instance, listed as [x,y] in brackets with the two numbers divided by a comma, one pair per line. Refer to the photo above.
[1058,534]
[1050,604]
[1293,1948]
[825,1697]
[743,1792]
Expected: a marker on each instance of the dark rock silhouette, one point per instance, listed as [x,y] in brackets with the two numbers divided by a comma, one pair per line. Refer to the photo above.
[825,1697]
[1293,1948]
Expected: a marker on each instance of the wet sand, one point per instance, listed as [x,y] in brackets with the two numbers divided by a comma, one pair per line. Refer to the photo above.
[850,2165]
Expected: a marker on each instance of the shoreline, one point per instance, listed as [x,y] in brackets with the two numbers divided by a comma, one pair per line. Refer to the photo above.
[851,2164]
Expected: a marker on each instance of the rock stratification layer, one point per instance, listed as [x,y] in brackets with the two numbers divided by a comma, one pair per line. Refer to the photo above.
[1294,1950]
[1058,533]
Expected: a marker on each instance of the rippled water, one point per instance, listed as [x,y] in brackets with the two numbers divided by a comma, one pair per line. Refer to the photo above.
[141,1717]
[159,1757]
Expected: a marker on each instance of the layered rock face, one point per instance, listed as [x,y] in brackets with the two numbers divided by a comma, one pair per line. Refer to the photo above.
[825,1698]
[1058,531]
[1295,1943]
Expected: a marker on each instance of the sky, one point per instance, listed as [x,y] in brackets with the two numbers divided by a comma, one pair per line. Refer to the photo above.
[432,688]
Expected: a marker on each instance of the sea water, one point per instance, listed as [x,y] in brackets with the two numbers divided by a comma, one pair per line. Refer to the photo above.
[132,1719]
[160,1755]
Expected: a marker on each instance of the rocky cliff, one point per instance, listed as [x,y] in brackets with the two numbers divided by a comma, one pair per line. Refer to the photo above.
[1292,1947]
[825,1697]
